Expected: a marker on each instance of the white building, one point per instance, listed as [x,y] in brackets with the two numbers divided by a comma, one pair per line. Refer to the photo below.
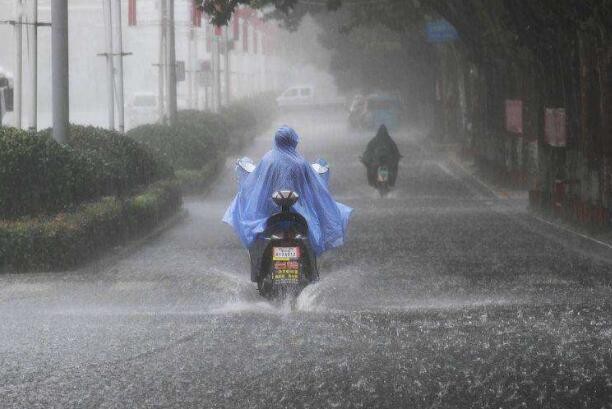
[252,71]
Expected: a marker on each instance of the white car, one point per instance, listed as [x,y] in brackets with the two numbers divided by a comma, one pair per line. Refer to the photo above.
[142,109]
[299,96]
[296,96]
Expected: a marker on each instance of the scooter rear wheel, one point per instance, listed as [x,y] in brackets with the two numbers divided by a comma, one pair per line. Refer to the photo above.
[383,189]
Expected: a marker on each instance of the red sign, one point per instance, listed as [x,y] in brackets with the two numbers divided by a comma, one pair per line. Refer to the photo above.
[555,132]
[514,116]
[196,14]
[132,12]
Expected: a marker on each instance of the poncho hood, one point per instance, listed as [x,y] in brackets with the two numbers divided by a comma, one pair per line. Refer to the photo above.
[286,139]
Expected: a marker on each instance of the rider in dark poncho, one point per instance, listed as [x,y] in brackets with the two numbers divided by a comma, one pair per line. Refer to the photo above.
[381,150]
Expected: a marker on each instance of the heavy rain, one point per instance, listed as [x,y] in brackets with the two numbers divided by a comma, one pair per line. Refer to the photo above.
[305,204]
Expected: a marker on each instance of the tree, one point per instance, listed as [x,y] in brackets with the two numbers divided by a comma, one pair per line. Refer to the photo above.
[547,53]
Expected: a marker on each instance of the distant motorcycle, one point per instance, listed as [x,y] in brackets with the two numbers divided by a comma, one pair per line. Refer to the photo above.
[283,262]
[381,173]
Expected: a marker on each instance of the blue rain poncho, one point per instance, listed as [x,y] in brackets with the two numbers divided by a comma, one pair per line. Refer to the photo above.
[283,168]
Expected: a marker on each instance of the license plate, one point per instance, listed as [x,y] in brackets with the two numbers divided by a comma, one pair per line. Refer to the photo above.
[286,271]
[383,174]
[285,253]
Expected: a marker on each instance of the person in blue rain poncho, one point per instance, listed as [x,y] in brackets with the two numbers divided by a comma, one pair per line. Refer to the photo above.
[283,168]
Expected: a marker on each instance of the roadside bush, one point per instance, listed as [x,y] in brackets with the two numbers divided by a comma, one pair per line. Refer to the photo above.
[263,107]
[194,181]
[249,116]
[240,119]
[118,164]
[189,145]
[198,143]
[67,239]
[40,176]
[207,124]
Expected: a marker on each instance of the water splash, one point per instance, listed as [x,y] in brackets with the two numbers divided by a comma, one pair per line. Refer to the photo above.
[238,307]
[307,300]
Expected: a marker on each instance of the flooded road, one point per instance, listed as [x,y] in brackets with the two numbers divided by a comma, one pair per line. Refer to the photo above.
[444,296]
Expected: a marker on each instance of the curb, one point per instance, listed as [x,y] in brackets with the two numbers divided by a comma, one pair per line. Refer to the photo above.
[566,228]
[530,213]
[117,253]
[496,193]
[473,177]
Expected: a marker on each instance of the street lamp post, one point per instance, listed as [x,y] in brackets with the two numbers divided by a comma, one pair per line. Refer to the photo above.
[171,61]
[18,93]
[110,69]
[33,31]
[59,68]
[118,54]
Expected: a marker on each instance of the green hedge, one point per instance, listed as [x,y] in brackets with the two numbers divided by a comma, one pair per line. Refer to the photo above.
[184,146]
[198,144]
[119,163]
[63,204]
[67,239]
[39,176]
[194,181]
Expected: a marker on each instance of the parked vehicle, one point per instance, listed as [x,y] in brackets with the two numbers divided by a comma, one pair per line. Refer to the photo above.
[142,109]
[6,96]
[308,96]
[382,109]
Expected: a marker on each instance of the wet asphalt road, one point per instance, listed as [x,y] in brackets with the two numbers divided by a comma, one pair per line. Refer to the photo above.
[444,296]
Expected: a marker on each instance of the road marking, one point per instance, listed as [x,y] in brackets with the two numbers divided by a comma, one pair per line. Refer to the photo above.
[567,229]
[476,179]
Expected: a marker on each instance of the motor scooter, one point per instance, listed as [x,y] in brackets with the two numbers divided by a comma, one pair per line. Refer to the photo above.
[283,262]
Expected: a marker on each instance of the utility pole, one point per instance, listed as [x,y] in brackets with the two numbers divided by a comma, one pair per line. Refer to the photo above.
[118,54]
[190,65]
[162,62]
[228,74]
[216,66]
[171,62]
[2,107]
[18,88]
[110,69]
[59,68]
[196,70]
[30,20]
[33,30]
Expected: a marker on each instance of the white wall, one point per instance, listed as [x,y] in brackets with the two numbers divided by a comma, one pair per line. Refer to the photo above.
[87,70]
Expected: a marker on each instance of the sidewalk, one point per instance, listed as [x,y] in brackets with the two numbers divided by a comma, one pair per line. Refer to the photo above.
[515,197]
[470,169]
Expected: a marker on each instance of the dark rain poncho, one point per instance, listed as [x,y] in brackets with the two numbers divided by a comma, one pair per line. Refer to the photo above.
[381,143]
[381,150]
[283,168]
